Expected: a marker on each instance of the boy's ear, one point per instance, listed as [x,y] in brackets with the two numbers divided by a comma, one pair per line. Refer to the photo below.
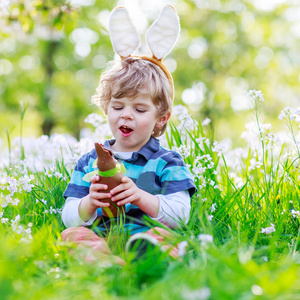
[162,120]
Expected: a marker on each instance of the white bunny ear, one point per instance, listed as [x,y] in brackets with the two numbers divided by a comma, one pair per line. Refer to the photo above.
[124,36]
[164,32]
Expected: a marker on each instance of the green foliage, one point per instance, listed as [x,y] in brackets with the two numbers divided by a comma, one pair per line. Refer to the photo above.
[241,242]
[225,49]
[242,239]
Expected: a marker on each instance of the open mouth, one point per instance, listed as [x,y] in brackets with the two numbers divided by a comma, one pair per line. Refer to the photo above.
[125,129]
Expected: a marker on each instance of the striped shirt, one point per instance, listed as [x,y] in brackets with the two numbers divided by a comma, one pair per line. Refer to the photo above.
[154,169]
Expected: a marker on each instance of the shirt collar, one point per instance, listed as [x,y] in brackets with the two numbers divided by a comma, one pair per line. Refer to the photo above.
[147,150]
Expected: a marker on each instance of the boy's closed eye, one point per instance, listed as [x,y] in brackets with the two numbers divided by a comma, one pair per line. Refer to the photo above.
[117,107]
[141,110]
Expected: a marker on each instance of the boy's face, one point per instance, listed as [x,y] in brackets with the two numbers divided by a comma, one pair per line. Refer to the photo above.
[132,122]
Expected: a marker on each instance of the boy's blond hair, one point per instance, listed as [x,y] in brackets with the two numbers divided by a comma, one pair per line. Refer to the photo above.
[131,77]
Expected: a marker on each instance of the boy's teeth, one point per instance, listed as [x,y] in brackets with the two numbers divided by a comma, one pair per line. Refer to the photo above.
[125,129]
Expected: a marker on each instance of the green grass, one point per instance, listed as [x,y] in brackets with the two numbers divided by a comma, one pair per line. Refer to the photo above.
[234,203]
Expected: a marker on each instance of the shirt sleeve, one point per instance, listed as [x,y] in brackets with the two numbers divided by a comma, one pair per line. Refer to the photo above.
[174,209]
[175,176]
[77,187]
[70,214]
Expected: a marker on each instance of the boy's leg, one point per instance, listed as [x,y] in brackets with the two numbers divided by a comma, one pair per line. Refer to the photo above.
[162,236]
[97,248]
[84,236]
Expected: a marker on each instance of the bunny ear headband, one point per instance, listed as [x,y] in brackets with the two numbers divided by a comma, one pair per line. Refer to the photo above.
[160,37]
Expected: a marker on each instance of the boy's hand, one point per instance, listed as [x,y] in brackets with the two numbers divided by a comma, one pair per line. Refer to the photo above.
[92,201]
[96,193]
[128,192]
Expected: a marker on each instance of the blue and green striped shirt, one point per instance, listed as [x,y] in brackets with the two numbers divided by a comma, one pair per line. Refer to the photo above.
[154,169]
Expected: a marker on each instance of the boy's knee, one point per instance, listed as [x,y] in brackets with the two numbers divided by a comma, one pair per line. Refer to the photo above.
[77,233]
[159,233]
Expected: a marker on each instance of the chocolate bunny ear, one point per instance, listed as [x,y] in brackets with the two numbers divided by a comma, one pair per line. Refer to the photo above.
[124,36]
[164,32]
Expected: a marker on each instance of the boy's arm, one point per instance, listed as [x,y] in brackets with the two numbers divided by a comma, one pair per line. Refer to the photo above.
[174,209]
[92,201]
[128,192]
[70,214]
[82,211]
[178,185]
[170,210]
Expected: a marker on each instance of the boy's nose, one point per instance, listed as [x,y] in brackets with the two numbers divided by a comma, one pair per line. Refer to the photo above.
[126,114]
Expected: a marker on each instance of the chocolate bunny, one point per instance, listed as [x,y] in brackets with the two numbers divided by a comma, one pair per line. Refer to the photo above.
[109,175]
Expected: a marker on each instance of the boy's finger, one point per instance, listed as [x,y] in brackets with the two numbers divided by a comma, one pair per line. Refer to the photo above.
[119,188]
[117,197]
[124,178]
[120,196]
[101,196]
[95,179]
[99,187]
[124,201]
[101,203]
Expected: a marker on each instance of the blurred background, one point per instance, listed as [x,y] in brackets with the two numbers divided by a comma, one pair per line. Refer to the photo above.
[52,53]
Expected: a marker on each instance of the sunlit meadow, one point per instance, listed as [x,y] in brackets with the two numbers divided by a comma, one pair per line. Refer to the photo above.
[241,242]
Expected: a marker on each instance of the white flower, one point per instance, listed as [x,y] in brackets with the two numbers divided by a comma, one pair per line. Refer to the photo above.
[182,248]
[182,150]
[19,229]
[24,184]
[44,201]
[52,210]
[281,116]
[256,95]
[268,230]
[200,142]
[256,290]
[213,207]
[219,148]
[211,165]
[58,175]
[206,122]
[179,109]
[205,239]
[4,204]
[295,213]
[271,139]
[200,294]
[4,220]
[290,113]
[210,217]
[17,219]
[254,164]
[28,230]
[198,171]
[15,202]
[94,119]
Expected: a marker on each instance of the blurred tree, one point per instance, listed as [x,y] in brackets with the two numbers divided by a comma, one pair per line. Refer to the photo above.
[52,53]
[44,48]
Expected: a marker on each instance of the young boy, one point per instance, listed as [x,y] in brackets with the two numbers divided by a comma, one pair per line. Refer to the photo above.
[137,96]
